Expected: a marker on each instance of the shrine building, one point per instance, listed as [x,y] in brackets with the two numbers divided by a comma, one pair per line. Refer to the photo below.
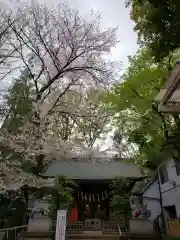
[92,196]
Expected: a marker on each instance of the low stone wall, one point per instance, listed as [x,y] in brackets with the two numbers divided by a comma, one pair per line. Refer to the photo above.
[141,227]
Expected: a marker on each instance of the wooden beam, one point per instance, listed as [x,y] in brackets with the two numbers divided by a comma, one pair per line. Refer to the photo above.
[171,89]
[169,108]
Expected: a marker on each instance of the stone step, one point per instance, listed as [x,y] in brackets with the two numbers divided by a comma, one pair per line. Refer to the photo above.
[36,236]
[89,235]
[86,235]
[92,236]
[141,236]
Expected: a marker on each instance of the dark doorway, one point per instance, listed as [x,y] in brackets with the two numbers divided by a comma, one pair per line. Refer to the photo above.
[92,200]
[171,212]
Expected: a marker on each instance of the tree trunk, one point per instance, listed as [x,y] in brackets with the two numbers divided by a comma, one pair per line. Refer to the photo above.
[26,193]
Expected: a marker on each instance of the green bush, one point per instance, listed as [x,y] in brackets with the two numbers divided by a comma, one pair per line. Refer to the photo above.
[120,197]
[61,195]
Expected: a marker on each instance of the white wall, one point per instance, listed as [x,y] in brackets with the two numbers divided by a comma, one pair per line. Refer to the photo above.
[151,197]
[170,193]
[154,206]
[152,191]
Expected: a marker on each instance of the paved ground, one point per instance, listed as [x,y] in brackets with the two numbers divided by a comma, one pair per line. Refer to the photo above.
[37,204]
[39,224]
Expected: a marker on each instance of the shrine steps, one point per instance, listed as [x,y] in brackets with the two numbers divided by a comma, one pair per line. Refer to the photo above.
[89,235]
[92,235]
[86,235]
[143,237]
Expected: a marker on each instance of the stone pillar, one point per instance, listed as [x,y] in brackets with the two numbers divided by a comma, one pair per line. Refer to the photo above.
[141,227]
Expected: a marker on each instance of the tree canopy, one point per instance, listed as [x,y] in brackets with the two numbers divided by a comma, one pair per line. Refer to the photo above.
[137,119]
[157,25]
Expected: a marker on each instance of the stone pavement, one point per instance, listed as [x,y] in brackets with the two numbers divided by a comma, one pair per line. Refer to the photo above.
[39,223]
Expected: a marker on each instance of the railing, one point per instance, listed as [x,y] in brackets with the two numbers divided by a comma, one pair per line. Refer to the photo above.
[12,233]
[109,227]
[115,227]
[119,233]
[53,226]
[75,227]
[119,230]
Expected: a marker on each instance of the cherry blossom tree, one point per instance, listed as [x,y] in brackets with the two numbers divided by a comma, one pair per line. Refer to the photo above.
[61,52]
[61,49]
[63,134]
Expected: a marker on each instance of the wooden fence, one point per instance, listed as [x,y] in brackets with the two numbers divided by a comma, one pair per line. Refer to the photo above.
[173,228]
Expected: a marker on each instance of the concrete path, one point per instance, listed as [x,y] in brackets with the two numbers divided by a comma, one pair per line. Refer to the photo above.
[39,224]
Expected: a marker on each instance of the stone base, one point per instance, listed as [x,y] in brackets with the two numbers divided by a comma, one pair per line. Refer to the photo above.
[92,224]
[141,226]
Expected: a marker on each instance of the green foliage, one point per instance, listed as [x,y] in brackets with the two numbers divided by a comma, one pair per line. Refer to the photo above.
[11,212]
[16,218]
[18,107]
[19,102]
[62,194]
[137,119]
[157,24]
[64,187]
[120,196]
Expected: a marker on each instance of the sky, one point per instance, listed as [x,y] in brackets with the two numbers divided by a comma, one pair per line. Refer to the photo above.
[113,14]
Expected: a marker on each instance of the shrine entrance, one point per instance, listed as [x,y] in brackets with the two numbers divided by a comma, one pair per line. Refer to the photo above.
[92,197]
[92,201]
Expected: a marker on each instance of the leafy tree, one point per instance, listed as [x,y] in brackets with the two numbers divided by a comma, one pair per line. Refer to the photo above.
[17,106]
[120,202]
[157,25]
[18,103]
[62,194]
[135,109]
[120,196]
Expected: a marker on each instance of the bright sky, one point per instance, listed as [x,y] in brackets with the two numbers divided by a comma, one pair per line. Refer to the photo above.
[113,13]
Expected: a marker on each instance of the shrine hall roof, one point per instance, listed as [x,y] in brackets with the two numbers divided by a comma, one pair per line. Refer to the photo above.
[93,170]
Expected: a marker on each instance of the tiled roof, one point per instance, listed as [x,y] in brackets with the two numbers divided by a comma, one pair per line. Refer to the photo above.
[93,170]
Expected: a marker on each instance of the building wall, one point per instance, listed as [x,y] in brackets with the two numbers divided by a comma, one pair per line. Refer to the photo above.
[151,197]
[171,192]
[152,191]
[154,206]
